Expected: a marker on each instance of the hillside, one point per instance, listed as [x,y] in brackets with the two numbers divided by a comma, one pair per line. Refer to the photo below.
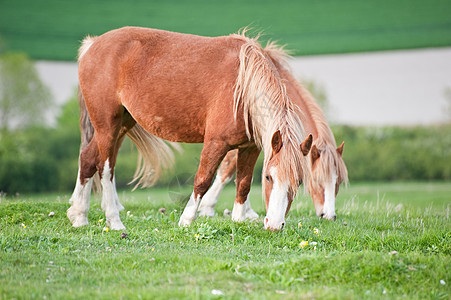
[53,29]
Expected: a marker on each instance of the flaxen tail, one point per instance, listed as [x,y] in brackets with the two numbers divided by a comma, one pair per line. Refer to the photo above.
[154,155]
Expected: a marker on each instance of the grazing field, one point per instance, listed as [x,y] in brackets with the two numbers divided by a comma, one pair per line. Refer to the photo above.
[52,29]
[390,240]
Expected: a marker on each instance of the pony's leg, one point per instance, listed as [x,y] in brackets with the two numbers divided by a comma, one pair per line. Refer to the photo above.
[127,123]
[211,156]
[78,212]
[246,160]
[120,207]
[250,213]
[223,176]
[110,138]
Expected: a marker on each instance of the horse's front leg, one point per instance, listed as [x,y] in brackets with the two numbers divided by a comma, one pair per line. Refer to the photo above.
[212,154]
[246,160]
[223,176]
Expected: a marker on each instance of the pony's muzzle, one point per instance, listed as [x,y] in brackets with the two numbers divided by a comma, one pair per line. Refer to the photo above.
[268,225]
[327,217]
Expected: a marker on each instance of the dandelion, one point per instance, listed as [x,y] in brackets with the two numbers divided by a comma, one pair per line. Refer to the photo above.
[303,244]
[299,225]
[23,225]
[315,231]
[100,221]
[153,249]
[197,236]
[106,229]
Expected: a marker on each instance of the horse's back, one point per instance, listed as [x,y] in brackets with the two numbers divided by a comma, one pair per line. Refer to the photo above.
[165,79]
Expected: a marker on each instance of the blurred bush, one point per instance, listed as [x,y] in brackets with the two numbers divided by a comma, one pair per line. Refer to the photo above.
[41,159]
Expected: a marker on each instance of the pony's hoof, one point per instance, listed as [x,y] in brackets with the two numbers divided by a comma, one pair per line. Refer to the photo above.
[206,212]
[77,219]
[115,224]
[238,213]
[185,221]
[252,215]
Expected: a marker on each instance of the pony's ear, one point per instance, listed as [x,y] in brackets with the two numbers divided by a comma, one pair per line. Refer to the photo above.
[306,145]
[276,142]
[340,148]
[314,152]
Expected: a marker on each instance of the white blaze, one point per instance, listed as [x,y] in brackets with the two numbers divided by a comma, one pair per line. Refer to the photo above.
[278,203]
[329,198]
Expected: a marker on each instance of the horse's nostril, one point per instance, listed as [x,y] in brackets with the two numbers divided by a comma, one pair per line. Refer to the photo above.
[322,215]
[283,225]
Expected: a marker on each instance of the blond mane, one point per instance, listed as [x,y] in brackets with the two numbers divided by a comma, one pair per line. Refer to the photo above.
[323,139]
[261,94]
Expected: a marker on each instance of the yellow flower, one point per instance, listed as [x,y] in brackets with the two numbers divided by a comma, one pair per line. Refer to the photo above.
[315,230]
[299,225]
[23,225]
[106,229]
[153,249]
[303,244]
[156,230]
[101,220]
[197,236]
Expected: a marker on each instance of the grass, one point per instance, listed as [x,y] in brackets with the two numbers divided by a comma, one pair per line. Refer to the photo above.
[53,29]
[44,257]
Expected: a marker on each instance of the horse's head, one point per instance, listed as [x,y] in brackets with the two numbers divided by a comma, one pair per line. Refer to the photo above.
[328,171]
[282,175]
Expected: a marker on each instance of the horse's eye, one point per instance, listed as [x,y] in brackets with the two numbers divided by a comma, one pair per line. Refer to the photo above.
[267,178]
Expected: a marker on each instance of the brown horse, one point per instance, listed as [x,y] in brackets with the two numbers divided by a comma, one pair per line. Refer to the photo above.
[326,164]
[224,92]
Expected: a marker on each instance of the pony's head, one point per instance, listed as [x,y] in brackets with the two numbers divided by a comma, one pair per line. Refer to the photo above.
[328,171]
[282,175]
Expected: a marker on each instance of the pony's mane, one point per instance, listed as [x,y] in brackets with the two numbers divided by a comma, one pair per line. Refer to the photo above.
[325,142]
[324,138]
[261,94]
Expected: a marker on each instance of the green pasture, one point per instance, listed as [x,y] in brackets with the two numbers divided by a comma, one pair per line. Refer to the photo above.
[391,240]
[53,29]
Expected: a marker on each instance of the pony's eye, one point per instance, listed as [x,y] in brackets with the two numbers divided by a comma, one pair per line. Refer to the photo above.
[267,178]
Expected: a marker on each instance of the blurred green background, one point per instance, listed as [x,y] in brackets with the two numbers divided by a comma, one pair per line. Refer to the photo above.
[35,157]
[52,29]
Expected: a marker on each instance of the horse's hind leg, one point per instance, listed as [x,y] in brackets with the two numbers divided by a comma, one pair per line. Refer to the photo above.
[110,131]
[78,212]
[223,176]
[246,160]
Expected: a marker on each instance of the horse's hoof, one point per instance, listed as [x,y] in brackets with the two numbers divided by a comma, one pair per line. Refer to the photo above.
[206,212]
[252,215]
[185,221]
[115,224]
[76,218]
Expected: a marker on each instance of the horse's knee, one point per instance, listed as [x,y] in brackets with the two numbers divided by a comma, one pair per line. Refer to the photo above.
[201,186]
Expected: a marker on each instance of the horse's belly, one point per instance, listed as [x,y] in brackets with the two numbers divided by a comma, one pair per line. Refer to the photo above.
[174,127]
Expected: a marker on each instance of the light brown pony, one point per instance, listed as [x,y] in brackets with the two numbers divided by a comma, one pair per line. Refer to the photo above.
[326,164]
[224,92]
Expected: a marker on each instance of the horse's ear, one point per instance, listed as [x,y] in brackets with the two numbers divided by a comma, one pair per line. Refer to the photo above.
[314,152]
[306,145]
[340,149]
[276,142]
